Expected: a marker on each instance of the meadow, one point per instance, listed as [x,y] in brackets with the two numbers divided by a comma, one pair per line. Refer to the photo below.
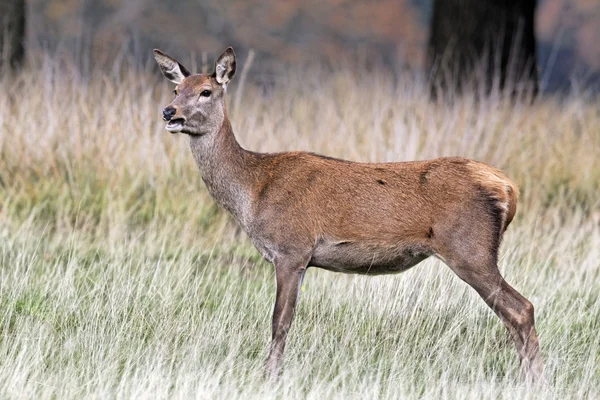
[120,277]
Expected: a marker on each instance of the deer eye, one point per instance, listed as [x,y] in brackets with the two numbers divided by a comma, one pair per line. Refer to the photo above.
[205,93]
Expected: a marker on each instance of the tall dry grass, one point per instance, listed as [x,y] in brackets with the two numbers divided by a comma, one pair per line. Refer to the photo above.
[119,277]
[91,151]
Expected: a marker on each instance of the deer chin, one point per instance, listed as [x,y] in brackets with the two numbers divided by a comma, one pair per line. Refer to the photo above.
[175,125]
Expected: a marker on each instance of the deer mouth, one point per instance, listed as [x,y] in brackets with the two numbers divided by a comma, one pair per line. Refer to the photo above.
[175,125]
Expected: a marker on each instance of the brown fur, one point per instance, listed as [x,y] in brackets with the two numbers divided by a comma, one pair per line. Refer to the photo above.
[302,209]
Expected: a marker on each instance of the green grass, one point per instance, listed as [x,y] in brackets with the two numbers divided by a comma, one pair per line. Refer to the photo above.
[135,319]
[119,277]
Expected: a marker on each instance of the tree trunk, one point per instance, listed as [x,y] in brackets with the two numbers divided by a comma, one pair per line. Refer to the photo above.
[12,32]
[482,43]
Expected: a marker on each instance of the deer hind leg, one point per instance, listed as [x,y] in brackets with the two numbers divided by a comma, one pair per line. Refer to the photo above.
[514,310]
[471,252]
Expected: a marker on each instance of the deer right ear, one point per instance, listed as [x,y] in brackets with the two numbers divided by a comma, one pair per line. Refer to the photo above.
[225,67]
[170,67]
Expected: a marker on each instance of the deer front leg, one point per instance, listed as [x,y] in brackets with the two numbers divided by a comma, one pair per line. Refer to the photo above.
[289,277]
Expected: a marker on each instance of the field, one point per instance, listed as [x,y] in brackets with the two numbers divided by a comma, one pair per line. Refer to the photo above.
[119,277]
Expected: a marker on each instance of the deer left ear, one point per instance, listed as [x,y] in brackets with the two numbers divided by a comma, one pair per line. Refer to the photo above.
[170,67]
[225,67]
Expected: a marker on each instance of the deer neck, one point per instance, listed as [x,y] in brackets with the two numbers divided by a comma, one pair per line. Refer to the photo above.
[226,169]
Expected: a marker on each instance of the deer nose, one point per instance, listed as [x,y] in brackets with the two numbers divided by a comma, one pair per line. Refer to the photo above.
[168,113]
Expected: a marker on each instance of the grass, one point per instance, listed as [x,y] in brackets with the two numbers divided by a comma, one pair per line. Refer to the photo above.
[119,277]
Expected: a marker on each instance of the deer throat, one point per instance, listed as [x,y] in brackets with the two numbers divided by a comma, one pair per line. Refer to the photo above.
[225,171]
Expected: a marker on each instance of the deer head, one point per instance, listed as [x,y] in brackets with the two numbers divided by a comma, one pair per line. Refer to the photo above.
[199,106]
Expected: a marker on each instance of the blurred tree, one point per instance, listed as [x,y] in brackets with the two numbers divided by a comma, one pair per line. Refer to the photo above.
[488,42]
[12,31]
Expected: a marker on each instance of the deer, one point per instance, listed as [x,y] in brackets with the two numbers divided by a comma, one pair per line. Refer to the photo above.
[302,209]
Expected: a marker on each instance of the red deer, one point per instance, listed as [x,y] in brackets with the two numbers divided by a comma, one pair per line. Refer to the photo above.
[302,209]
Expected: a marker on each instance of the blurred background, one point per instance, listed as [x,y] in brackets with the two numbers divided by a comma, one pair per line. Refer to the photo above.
[393,33]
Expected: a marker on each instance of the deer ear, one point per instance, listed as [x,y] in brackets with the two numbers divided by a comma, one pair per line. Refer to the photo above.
[170,67]
[225,67]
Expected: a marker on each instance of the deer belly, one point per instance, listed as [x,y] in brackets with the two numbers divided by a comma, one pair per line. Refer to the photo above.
[366,258]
